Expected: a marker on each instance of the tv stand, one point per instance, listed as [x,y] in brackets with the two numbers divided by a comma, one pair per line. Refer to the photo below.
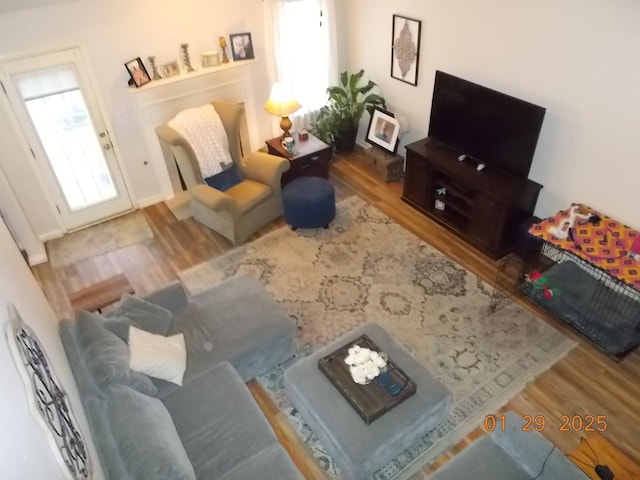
[484,207]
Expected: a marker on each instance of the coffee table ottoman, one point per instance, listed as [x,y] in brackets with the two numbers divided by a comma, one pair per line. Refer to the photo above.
[360,449]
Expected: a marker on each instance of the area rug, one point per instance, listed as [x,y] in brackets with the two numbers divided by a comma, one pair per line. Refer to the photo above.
[366,268]
[98,239]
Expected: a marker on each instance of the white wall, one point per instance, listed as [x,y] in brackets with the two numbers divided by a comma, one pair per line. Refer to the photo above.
[115,31]
[18,224]
[577,58]
[24,449]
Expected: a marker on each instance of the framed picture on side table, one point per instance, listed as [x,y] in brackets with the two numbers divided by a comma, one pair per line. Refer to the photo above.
[383,131]
[241,46]
[138,72]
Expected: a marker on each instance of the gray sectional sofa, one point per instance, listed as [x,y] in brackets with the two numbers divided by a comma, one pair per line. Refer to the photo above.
[510,454]
[210,426]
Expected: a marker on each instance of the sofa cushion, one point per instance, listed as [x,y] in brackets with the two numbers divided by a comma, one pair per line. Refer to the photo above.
[173,297]
[107,356]
[158,356]
[141,314]
[510,454]
[96,412]
[85,381]
[237,321]
[119,326]
[272,463]
[531,450]
[218,420]
[146,437]
[249,194]
[227,178]
[482,460]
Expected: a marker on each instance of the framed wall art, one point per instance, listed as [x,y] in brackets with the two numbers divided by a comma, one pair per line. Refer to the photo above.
[241,46]
[383,130]
[405,49]
[138,72]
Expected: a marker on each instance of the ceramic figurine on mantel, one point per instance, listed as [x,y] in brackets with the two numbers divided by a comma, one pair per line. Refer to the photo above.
[186,58]
[223,45]
[154,68]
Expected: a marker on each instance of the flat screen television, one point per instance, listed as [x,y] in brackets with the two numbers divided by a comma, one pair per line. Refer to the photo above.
[496,129]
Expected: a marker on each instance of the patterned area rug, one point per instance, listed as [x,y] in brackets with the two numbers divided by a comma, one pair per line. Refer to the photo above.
[367,268]
[98,239]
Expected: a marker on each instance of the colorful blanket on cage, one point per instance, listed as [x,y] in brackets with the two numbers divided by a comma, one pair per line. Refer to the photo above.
[596,238]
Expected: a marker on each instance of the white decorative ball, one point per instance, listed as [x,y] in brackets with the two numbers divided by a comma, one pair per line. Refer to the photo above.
[364,364]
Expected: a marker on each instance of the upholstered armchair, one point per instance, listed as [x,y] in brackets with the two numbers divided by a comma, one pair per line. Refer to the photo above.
[241,210]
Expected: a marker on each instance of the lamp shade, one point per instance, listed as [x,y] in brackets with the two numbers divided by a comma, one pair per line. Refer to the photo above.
[281,101]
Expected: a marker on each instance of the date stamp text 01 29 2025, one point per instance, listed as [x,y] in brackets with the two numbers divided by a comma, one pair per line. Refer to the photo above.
[538,423]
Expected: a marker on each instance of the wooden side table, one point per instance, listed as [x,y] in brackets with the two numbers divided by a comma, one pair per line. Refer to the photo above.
[101,294]
[310,159]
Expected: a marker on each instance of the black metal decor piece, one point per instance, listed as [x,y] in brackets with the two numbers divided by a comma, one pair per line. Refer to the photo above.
[48,398]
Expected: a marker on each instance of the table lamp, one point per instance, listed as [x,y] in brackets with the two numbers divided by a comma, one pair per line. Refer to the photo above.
[282,104]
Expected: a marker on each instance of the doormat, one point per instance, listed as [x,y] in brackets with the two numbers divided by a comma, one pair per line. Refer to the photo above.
[98,239]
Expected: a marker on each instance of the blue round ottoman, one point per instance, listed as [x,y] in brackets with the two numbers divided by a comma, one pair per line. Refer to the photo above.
[309,202]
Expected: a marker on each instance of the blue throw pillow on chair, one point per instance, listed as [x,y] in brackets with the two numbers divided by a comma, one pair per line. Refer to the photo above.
[226,179]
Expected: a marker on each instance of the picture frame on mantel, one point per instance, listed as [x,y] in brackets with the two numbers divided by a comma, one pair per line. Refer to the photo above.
[137,72]
[405,49]
[241,46]
[170,69]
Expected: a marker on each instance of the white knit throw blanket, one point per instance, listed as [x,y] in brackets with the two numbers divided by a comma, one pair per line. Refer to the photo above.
[202,128]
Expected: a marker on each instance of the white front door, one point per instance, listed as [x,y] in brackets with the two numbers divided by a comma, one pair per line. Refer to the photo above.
[54,103]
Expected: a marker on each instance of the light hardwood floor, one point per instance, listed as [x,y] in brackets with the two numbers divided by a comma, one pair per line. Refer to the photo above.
[585,382]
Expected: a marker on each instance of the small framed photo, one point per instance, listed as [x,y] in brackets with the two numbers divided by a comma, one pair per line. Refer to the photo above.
[383,130]
[170,69]
[241,46]
[138,72]
[405,49]
[210,59]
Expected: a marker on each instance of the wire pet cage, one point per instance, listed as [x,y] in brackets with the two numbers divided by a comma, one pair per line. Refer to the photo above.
[599,306]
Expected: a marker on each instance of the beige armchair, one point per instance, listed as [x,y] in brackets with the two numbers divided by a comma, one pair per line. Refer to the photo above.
[239,211]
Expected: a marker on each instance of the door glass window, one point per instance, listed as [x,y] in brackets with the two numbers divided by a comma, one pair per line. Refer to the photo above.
[59,114]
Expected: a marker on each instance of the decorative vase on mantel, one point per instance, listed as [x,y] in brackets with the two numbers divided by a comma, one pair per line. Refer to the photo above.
[154,68]
[186,58]
[223,46]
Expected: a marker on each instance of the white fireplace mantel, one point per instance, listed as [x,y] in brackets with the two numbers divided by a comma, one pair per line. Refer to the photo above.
[160,100]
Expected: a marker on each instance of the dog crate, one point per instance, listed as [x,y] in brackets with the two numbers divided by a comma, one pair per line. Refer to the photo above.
[596,304]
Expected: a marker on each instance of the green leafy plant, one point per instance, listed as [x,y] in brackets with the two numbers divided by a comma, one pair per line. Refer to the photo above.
[338,121]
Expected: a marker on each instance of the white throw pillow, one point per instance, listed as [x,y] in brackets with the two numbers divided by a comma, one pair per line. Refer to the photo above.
[158,356]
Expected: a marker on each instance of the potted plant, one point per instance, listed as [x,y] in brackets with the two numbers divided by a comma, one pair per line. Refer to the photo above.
[338,121]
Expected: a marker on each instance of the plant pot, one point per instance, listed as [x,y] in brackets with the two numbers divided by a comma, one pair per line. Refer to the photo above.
[346,140]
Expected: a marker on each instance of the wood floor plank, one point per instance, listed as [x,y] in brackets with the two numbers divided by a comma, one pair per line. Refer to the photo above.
[595,449]
[585,382]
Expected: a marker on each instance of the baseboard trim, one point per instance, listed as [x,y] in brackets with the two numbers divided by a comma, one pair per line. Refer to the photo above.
[38,257]
[151,200]
[45,237]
